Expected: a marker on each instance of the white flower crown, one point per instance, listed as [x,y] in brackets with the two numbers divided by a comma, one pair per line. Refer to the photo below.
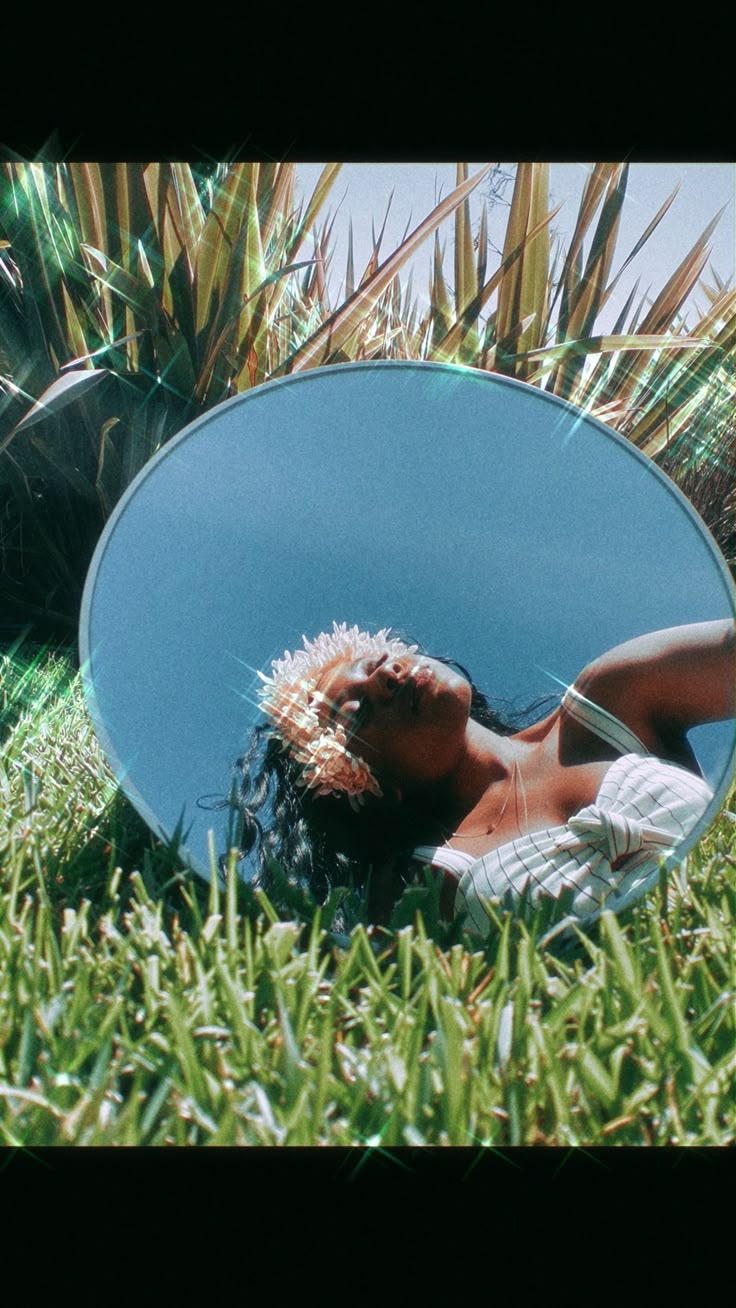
[290,698]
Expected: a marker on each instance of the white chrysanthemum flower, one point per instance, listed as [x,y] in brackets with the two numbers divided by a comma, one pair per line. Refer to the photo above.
[290,698]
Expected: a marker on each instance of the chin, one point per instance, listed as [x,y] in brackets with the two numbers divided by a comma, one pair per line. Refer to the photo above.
[452,682]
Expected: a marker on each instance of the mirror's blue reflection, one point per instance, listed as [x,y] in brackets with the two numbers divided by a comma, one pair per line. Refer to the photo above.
[474,516]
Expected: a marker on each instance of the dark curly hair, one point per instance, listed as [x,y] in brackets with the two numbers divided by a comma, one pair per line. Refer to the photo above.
[318,841]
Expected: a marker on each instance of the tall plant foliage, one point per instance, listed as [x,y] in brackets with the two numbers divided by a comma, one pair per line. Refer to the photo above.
[133,297]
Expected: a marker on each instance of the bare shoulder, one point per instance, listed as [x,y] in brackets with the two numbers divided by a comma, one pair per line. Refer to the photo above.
[664,682]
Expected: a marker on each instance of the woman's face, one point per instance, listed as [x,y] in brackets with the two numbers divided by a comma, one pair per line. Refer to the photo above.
[405,716]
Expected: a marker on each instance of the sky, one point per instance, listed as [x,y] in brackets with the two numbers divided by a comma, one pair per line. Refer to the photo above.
[362,192]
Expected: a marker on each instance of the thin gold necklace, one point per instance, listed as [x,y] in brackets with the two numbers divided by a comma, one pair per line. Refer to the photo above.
[515,781]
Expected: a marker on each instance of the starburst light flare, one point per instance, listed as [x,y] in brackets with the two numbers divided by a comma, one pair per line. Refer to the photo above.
[290,699]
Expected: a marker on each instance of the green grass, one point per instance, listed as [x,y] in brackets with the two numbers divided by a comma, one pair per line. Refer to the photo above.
[139,1006]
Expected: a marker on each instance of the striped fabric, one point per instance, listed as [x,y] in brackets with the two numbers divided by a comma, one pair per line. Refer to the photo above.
[607,855]
[603,723]
[452,860]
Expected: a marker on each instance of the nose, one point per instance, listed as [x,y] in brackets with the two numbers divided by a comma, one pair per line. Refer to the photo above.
[386,679]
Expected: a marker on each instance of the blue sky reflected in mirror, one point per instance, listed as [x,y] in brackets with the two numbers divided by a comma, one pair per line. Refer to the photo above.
[488,521]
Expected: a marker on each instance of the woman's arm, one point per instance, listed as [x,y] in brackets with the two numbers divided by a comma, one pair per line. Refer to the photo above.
[663,683]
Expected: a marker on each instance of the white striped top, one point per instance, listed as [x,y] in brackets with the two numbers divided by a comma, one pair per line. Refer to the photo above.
[644,808]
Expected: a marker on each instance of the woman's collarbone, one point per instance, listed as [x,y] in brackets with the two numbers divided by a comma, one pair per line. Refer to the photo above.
[543,801]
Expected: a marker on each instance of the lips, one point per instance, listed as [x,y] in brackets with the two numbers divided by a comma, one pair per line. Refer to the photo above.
[419,682]
[412,687]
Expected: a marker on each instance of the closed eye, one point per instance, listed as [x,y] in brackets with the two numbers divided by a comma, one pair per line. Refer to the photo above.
[356,711]
[370,665]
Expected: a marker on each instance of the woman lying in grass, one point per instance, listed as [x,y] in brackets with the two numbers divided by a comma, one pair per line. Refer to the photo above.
[377,756]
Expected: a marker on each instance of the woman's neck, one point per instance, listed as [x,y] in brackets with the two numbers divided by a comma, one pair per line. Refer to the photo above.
[486,763]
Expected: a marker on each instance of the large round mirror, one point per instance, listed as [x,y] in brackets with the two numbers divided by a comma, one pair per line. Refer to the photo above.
[485,519]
